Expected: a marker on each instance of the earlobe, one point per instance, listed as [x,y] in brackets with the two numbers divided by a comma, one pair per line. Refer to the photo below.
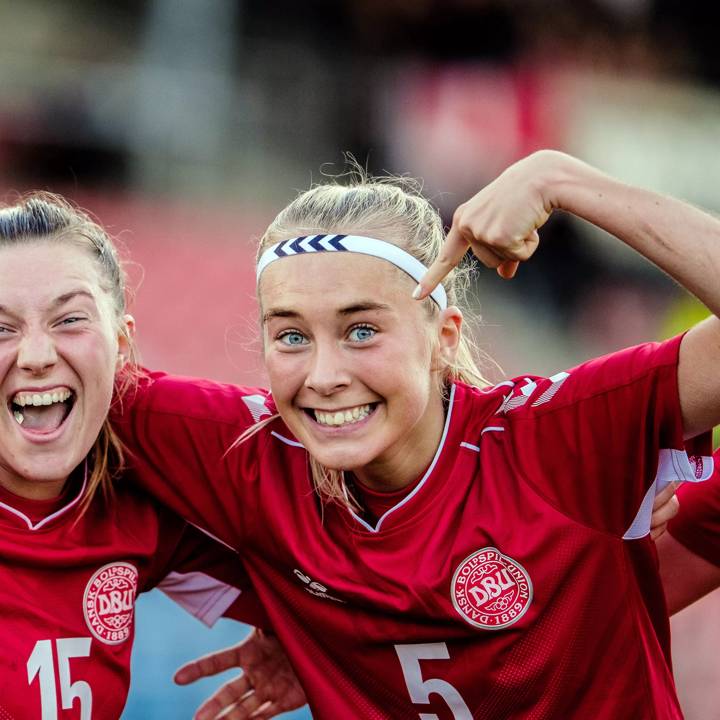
[449,334]
[125,337]
[129,322]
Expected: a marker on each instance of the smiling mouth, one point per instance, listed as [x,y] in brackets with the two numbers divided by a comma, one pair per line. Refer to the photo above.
[42,412]
[339,418]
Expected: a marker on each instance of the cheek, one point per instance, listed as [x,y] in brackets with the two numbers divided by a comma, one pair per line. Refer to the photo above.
[7,357]
[92,356]
[285,373]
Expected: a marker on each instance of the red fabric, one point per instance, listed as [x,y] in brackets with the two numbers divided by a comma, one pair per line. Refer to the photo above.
[45,574]
[545,489]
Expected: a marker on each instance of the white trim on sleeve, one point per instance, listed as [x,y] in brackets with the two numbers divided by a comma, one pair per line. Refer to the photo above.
[203,596]
[673,466]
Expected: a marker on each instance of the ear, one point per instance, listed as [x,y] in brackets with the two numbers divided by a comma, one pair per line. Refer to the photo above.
[125,336]
[449,328]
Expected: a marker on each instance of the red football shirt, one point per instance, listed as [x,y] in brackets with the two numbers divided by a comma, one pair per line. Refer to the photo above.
[67,593]
[697,526]
[515,581]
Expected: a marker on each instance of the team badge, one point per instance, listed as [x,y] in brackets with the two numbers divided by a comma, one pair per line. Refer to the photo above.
[697,464]
[109,602]
[490,590]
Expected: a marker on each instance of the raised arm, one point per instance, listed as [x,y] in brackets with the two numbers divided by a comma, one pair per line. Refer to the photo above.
[500,224]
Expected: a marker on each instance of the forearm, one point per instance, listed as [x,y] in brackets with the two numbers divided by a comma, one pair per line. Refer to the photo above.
[679,238]
[686,577]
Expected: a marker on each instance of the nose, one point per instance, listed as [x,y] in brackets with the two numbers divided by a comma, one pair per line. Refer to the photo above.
[328,371]
[36,353]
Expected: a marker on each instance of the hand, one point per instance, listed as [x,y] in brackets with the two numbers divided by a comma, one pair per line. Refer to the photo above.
[267,687]
[665,508]
[500,223]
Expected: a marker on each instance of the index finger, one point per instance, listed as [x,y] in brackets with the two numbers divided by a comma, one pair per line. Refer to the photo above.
[207,665]
[453,251]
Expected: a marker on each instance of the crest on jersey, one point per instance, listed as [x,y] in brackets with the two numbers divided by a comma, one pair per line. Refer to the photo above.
[490,590]
[109,602]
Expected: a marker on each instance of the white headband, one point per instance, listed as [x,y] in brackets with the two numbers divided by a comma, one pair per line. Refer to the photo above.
[351,243]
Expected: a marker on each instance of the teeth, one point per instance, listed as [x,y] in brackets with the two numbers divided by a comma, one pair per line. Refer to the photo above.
[19,417]
[342,417]
[25,398]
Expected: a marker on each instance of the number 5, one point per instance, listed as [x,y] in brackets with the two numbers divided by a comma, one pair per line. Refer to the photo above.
[419,689]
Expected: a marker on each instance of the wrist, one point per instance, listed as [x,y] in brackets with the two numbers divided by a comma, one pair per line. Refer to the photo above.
[570,184]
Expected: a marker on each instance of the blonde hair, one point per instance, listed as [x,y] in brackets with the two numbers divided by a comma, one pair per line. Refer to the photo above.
[49,217]
[393,210]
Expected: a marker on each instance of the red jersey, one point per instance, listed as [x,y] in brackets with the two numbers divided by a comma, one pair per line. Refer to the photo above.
[516,580]
[697,526]
[67,593]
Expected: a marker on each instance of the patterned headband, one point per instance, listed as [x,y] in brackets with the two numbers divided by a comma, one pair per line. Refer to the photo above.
[351,243]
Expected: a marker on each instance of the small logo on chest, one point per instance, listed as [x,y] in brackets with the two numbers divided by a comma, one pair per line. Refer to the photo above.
[490,590]
[109,602]
[315,588]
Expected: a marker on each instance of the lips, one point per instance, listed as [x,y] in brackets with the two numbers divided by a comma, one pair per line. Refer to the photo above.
[42,411]
[341,417]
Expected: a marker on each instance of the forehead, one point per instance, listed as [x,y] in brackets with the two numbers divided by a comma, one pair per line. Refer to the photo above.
[40,271]
[324,279]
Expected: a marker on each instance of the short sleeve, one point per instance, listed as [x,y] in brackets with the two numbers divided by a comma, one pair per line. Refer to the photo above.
[697,525]
[209,581]
[180,435]
[596,441]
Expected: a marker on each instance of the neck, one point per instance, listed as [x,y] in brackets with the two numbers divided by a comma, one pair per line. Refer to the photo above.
[407,462]
[33,489]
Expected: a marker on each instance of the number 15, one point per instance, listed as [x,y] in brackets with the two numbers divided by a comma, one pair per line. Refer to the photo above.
[41,663]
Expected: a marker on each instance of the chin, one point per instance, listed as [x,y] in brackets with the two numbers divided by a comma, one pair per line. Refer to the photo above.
[343,461]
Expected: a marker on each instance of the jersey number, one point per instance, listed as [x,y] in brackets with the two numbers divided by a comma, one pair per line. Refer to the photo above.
[41,663]
[419,689]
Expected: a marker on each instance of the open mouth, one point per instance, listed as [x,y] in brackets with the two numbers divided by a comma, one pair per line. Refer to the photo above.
[42,412]
[340,418]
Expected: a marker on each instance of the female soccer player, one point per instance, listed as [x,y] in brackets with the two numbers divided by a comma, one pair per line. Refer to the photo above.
[75,550]
[426,546]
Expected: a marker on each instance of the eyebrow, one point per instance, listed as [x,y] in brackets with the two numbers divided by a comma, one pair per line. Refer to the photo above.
[60,300]
[362,306]
[66,297]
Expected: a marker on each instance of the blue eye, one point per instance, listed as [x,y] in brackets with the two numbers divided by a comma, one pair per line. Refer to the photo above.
[361,333]
[292,338]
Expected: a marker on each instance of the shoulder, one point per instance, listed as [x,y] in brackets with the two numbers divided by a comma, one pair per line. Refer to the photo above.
[625,373]
[134,513]
[159,393]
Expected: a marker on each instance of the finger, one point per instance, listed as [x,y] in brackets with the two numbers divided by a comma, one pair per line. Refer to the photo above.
[270,710]
[489,258]
[664,514]
[658,531]
[245,709]
[664,496]
[207,665]
[228,695]
[453,251]
[507,269]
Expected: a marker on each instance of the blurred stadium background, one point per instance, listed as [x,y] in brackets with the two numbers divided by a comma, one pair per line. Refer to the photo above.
[184,125]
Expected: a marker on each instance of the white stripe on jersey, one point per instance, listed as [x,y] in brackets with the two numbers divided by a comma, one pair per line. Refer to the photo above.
[673,466]
[408,497]
[257,407]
